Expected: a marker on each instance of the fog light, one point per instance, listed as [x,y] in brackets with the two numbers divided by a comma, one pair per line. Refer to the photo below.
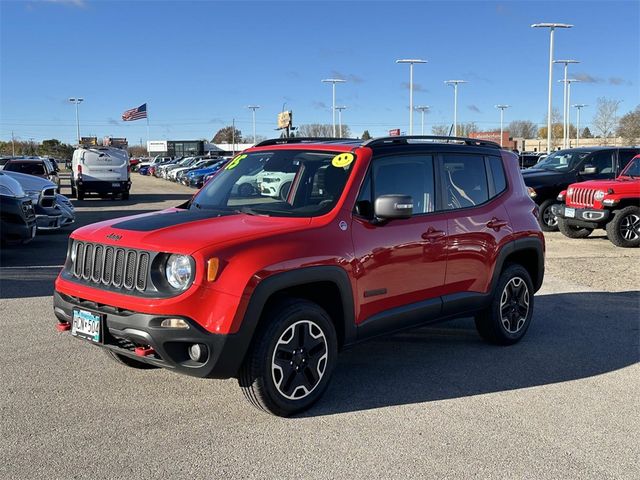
[197,352]
[174,323]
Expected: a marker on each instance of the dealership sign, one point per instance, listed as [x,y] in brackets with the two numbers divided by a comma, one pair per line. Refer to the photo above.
[394,132]
[157,146]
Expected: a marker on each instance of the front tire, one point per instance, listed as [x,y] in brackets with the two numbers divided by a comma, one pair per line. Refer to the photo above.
[290,363]
[507,318]
[548,221]
[624,229]
[573,231]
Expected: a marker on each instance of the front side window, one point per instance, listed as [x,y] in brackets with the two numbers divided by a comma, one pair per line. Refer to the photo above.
[464,180]
[633,169]
[296,183]
[602,161]
[406,175]
[561,161]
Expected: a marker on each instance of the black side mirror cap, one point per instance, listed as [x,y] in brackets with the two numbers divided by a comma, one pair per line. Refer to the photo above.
[393,207]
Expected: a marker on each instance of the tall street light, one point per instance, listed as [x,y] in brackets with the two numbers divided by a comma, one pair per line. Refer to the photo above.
[565,104]
[578,107]
[567,84]
[253,109]
[77,102]
[455,84]
[502,108]
[410,61]
[333,81]
[340,109]
[422,109]
[551,27]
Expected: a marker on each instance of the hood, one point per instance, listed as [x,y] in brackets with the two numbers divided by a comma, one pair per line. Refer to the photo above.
[617,185]
[31,182]
[12,184]
[184,231]
[534,176]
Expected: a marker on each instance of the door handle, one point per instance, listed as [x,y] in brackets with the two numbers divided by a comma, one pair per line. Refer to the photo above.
[432,234]
[496,224]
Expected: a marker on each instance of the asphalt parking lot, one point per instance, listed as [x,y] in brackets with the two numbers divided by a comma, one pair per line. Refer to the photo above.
[432,403]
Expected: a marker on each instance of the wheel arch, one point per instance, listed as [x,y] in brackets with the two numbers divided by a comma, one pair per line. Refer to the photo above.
[528,252]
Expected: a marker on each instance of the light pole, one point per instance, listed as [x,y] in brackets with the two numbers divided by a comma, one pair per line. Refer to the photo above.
[253,109]
[565,104]
[455,84]
[340,109]
[422,109]
[578,107]
[77,101]
[333,82]
[502,108]
[551,27]
[410,61]
[567,84]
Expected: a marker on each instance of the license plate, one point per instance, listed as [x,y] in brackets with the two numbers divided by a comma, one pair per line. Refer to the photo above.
[115,184]
[570,212]
[86,325]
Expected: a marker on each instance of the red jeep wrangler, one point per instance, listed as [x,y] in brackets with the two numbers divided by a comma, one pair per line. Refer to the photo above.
[369,238]
[610,204]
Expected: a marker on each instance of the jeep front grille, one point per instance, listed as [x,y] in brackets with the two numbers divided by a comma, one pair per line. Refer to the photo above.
[121,268]
[583,197]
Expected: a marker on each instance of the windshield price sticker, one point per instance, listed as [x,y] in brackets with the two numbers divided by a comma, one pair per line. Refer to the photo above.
[234,163]
[342,160]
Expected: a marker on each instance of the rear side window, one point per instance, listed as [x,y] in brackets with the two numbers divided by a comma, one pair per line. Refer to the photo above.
[464,181]
[497,175]
[625,156]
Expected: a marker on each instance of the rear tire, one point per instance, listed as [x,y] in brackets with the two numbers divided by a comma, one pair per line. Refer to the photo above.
[624,229]
[125,196]
[80,194]
[507,318]
[548,221]
[573,231]
[291,360]
[127,361]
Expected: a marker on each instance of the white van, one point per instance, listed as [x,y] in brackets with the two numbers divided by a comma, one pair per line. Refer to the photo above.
[101,170]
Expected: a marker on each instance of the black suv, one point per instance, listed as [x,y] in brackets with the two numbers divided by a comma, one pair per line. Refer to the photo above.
[547,178]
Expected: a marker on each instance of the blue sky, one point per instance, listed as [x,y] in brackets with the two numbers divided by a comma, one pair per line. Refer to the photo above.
[199,64]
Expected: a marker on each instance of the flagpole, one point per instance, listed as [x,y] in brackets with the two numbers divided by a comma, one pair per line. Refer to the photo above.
[147,128]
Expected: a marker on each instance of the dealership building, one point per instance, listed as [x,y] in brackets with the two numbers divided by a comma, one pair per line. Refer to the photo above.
[189,148]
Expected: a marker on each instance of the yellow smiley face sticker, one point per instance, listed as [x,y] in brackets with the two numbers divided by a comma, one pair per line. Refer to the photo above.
[342,160]
[234,163]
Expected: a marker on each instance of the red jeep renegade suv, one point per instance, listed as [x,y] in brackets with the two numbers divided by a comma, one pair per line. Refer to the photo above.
[369,238]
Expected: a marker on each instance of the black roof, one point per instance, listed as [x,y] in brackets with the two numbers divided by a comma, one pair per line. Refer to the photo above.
[383,141]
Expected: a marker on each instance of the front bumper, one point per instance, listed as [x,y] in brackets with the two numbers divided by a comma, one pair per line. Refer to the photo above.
[18,219]
[583,217]
[124,330]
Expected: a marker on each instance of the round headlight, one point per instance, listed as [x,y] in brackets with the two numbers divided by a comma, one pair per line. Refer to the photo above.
[599,195]
[178,271]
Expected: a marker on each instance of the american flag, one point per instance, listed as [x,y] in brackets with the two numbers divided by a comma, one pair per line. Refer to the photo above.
[135,113]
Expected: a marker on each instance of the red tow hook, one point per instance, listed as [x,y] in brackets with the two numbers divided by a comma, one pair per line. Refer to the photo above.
[144,351]
[63,326]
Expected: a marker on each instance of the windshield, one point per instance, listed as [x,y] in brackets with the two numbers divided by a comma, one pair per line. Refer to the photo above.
[30,168]
[296,183]
[561,161]
[633,169]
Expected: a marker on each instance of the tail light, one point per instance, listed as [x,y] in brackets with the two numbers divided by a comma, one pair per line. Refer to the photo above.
[79,172]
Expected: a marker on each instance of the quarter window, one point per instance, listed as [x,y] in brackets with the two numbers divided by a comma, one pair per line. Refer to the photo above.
[497,174]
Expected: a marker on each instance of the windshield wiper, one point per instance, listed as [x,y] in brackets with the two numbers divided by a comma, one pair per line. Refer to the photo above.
[250,211]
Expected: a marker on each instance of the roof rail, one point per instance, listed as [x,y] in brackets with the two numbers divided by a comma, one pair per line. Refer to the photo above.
[404,140]
[284,141]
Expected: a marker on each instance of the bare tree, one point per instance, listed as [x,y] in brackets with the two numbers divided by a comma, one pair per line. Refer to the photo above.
[606,117]
[440,130]
[523,129]
[465,129]
[316,130]
[629,127]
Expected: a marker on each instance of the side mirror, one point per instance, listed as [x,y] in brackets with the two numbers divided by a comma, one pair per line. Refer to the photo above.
[589,170]
[393,207]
